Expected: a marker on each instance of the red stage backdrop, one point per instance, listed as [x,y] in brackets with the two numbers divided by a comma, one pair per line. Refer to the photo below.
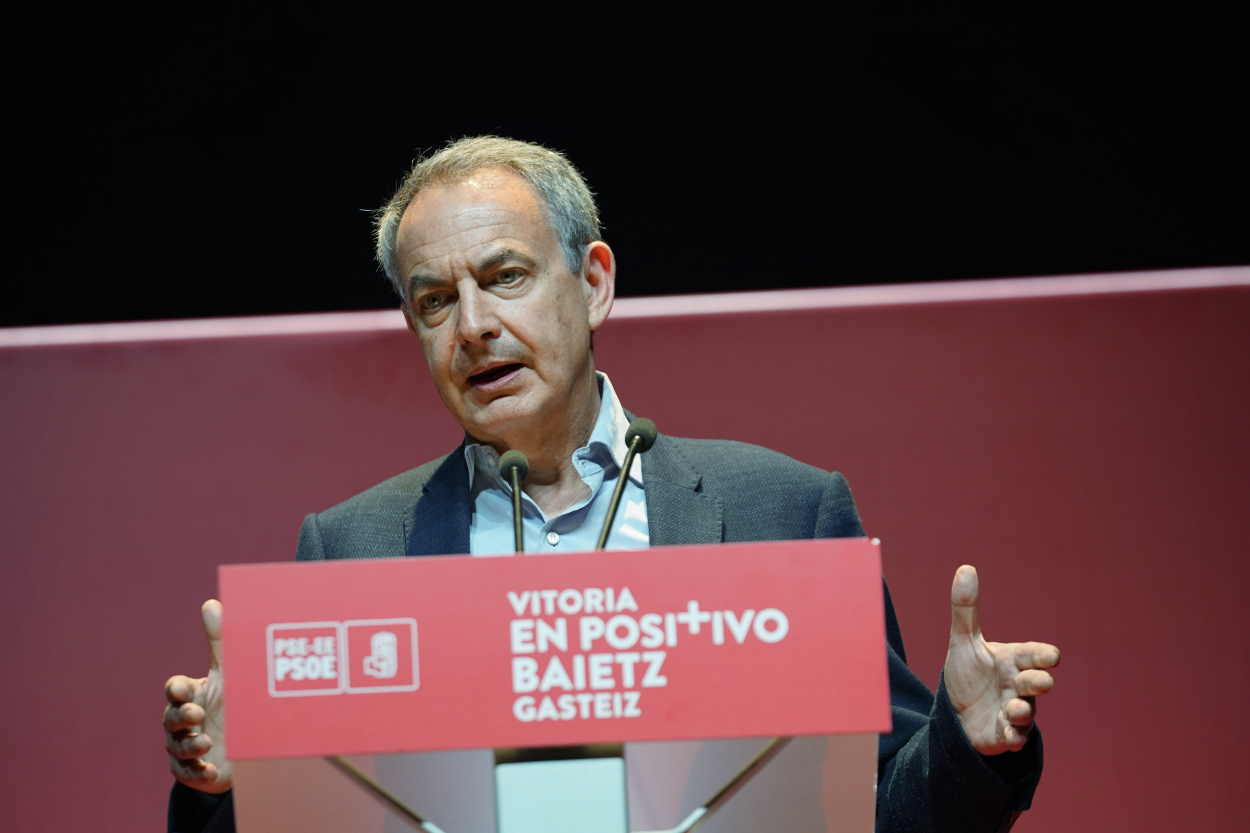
[1082,440]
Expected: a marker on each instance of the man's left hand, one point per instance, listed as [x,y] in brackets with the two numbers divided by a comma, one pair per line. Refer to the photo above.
[992,685]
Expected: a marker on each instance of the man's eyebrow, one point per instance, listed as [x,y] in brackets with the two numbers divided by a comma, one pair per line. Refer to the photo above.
[503,256]
[419,282]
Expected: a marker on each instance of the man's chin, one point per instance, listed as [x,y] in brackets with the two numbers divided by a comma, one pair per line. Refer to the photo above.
[501,423]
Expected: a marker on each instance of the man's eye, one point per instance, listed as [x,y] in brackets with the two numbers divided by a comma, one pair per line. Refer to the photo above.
[432,302]
[509,276]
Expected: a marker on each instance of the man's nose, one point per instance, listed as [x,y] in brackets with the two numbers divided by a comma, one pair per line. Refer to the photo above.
[477,320]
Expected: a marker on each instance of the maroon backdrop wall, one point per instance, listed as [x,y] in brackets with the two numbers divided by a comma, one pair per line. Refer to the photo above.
[1083,441]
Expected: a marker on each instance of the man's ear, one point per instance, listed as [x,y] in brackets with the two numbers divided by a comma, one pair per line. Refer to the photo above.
[599,282]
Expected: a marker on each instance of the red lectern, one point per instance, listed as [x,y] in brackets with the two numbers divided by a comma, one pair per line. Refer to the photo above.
[654,648]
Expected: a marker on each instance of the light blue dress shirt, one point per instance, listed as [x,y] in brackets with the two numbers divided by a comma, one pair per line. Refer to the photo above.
[577,528]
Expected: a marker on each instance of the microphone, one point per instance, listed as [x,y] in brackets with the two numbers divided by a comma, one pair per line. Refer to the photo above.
[513,468]
[639,437]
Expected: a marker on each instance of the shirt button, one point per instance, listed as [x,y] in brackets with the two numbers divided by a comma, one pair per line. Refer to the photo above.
[553,538]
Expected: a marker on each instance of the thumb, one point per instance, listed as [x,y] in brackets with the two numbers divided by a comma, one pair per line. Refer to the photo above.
[210,612]
[965,591]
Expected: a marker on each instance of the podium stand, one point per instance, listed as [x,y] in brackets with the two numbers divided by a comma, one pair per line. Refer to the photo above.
[671,651]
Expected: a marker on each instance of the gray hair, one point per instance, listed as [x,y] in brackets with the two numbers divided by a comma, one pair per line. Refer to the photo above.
[570,206]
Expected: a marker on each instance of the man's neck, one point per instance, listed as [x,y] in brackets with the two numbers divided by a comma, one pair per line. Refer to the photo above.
[553,483]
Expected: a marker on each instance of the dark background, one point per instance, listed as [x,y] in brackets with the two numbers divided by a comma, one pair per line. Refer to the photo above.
[223,160]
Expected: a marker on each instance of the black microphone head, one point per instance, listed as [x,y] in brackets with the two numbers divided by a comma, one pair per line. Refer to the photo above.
[645,430]
[510,460]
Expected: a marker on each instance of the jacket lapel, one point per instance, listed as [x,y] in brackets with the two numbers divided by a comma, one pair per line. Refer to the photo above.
[678,510]
[439,523]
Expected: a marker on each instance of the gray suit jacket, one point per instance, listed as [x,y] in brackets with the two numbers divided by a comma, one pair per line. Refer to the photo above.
[708,491]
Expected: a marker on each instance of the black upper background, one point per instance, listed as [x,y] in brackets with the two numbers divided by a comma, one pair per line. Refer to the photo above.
[224,162]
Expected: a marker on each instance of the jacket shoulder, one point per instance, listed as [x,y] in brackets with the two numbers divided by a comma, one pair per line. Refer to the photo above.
[393,494]
[767,494]
[732,461]
[370,524]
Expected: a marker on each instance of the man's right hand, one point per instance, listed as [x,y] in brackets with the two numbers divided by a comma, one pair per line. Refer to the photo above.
[195,727]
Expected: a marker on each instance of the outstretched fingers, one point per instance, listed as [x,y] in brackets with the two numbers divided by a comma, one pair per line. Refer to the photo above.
[181,689]
[1033,682]
[1035,655]
[188,748]
[184,717]
[1020,712]
[187,745]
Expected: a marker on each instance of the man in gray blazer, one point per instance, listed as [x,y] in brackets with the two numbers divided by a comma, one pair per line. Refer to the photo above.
[493,246]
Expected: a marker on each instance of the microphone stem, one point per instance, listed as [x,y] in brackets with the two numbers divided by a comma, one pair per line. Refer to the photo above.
[518,536]
[617,492]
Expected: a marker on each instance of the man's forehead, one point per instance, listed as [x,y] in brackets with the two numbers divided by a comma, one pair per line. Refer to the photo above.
[474,208]
[489,189]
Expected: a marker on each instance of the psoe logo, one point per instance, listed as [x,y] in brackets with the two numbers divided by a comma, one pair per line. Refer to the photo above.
[354,657]
[381,655]
[305,658]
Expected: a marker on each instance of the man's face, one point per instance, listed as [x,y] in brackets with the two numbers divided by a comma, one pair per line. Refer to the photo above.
[503,323]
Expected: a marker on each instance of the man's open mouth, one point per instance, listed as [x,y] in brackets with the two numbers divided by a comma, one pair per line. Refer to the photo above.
[493,374]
